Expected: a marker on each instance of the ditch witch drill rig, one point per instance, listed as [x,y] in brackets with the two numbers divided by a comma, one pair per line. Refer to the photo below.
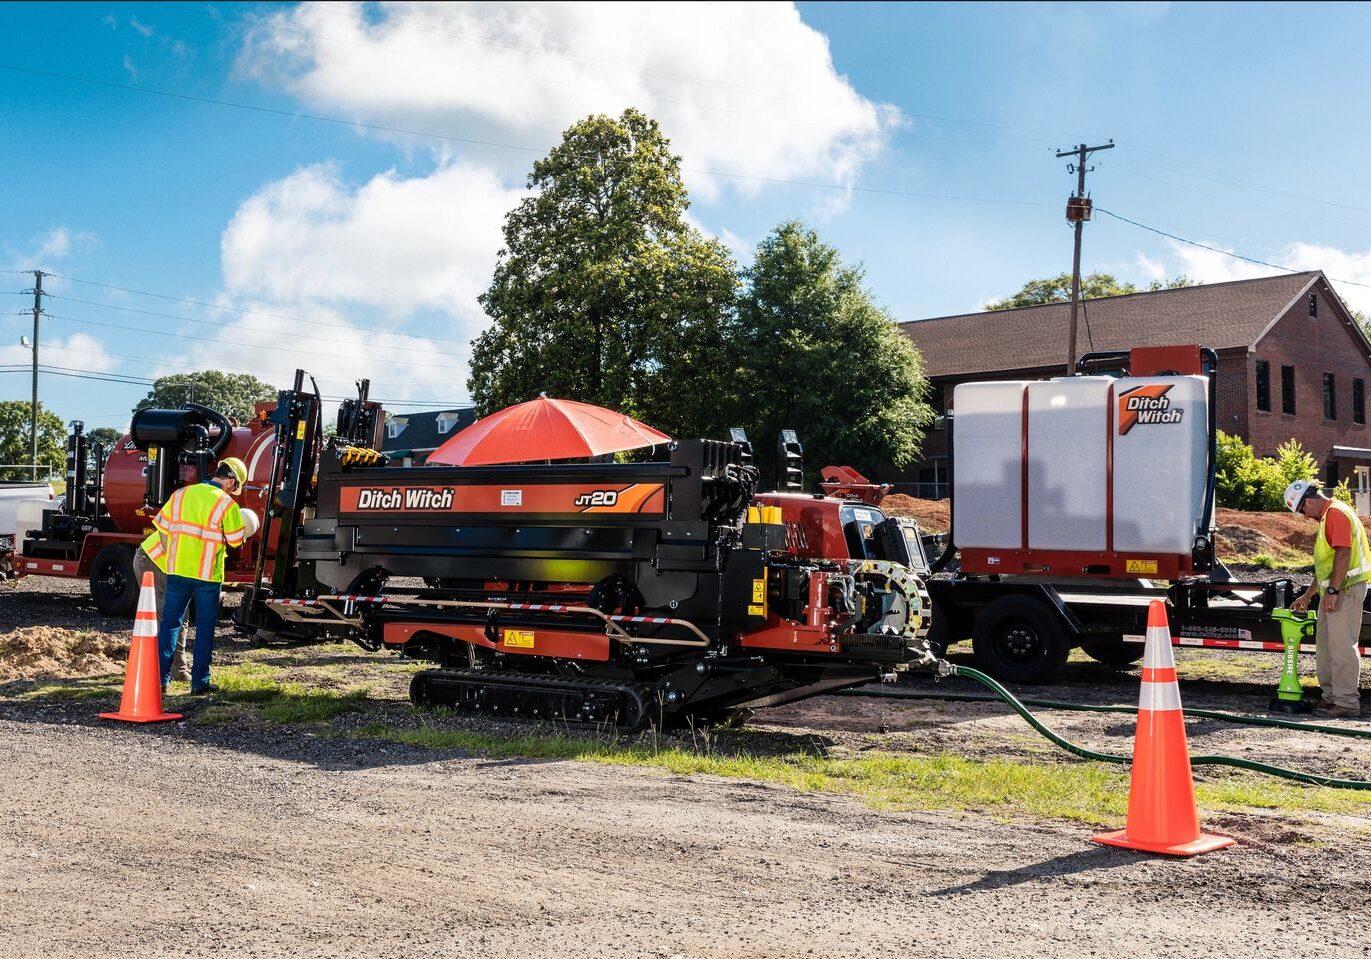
[617,593]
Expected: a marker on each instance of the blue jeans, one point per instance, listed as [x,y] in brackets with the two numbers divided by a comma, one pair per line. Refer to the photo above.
[180,590]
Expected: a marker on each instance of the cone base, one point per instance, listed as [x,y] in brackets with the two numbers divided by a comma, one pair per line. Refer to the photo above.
[1205,843]
[163,718]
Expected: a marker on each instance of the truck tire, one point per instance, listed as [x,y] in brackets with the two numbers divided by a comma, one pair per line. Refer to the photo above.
[1017,639]
[113,585]
[1113,652]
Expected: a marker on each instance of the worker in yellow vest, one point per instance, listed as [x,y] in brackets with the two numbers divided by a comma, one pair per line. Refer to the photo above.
[1342,567]
[189,538]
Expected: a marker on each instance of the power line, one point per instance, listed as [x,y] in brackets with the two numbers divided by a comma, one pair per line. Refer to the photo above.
[130,380]
[247,312]
[1215,249]
[252,346]
[1217,175]
[251,329]
[1228,199]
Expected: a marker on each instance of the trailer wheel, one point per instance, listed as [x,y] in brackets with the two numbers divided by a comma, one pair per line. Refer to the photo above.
[1018,640]
[1113,652]
[113,585]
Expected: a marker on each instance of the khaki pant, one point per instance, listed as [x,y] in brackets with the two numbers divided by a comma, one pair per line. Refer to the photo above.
[142,563]
[1339,665]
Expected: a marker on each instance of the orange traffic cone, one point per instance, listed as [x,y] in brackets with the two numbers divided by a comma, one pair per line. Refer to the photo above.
[1161,792]
[142,702]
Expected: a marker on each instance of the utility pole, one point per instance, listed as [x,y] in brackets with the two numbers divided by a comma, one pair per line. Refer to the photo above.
[33,413]
[1077,212]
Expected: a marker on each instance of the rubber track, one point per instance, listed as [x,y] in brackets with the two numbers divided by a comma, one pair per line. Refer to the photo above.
[591,702]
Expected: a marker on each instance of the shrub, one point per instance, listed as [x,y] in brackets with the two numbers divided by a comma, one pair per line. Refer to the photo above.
[1246,481]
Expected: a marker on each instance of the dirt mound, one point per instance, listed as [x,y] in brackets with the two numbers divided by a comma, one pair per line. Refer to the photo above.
[1287,529]
[932,515]
[60,653]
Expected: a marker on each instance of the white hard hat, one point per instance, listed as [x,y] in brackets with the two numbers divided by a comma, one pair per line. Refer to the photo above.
[251,523]
[1296,492]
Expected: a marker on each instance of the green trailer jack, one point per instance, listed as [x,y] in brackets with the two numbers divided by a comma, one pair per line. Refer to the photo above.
[1295,629]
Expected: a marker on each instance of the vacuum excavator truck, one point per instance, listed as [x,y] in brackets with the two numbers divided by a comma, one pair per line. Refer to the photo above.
[615,593]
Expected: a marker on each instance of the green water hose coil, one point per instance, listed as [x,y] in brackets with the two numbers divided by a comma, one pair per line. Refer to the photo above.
[1019,707]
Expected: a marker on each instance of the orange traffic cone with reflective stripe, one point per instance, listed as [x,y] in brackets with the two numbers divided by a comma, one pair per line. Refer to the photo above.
[1161,792]
[142,702]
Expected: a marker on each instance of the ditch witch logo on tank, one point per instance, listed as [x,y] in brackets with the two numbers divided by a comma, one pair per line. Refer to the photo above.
[416,498]
[1147,406]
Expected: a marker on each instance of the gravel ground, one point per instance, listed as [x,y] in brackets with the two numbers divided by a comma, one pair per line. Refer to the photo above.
[276,841]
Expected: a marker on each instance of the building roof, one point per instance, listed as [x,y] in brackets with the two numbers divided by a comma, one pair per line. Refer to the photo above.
[419,431]
[1224,316]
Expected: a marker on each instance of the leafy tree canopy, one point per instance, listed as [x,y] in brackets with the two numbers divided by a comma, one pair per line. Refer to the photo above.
[16,441]
[232,394]
[604,293]
[106,436]
[1057,289]
[824,358]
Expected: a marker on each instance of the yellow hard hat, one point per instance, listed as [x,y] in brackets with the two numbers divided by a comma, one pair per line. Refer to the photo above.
[237,467]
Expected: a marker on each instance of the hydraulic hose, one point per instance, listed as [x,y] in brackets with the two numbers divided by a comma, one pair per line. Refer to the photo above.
[1076,750]
[1213,714]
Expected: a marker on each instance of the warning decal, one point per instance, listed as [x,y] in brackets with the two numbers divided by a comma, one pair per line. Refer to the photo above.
[519,638]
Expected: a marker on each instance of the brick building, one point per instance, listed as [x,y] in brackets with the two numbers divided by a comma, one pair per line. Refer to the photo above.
[1292,362]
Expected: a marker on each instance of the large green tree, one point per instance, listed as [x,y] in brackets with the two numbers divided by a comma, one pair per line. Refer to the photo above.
[16,441]
[825,359]
[106,436]
[603,292]
[232,394]
[1057,289]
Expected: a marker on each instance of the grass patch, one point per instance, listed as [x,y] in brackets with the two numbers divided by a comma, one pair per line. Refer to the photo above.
[1283,560]
[1231,666]
[73,692]
[276,702]
[1092,793]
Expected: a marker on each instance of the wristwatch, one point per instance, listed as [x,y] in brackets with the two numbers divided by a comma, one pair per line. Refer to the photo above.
[1331,591]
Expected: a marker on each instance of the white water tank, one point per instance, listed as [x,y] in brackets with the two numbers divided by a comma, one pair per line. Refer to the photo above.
[1108,464]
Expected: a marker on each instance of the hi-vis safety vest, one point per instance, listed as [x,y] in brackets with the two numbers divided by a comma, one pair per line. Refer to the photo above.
[1358,570]
[191,531]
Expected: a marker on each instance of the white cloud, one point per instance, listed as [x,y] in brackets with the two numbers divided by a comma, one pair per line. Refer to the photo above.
[1151,269]
[48,249]
[75,352]
[741,88]
[397,244]
[279,336]
[1208,266]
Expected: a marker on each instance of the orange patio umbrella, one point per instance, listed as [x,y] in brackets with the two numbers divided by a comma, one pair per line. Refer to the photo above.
[545,429]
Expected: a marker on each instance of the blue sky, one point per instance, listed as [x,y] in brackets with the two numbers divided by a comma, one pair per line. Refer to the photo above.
[276,241]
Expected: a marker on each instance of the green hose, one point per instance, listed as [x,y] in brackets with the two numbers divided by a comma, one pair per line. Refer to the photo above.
[1248,764]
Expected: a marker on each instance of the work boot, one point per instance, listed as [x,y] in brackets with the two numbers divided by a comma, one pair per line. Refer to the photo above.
[180,672]
[1341,712]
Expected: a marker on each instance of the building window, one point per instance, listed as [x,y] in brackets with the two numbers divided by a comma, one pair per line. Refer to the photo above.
[1264,386]
[395,426]
[1288,390]
[1313,304]
[1359,401]
[445,423]
[1331,474]
[1330,397]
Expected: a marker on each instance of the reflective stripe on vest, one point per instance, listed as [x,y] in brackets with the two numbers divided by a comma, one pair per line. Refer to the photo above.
[192,525]
[1358,568]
